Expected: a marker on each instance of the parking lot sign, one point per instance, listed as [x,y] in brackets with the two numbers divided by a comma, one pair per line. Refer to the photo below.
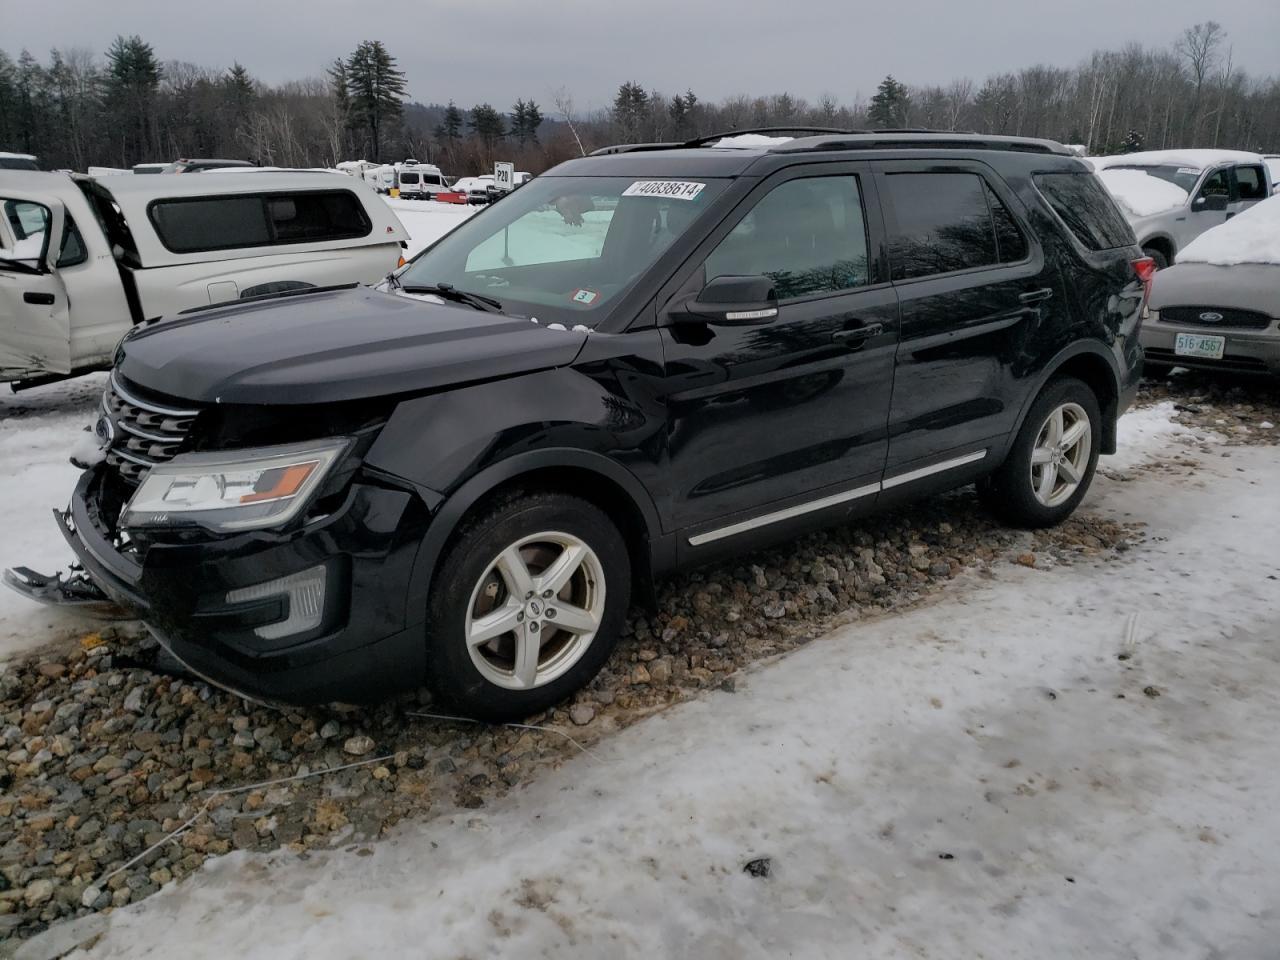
[504,175]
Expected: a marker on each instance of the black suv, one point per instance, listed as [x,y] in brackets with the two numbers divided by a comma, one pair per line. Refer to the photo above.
[648,358]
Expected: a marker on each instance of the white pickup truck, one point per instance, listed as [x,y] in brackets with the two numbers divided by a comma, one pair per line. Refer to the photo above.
[82,260]
[1170,197]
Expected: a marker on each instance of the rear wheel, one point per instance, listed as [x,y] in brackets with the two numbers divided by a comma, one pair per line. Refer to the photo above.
[1052,461]
[529,605]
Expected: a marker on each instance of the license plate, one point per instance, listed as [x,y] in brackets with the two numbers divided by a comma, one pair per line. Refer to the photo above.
[1197,345]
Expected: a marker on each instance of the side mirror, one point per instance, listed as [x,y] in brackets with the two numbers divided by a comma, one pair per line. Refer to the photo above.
[735,302]
[1216,202]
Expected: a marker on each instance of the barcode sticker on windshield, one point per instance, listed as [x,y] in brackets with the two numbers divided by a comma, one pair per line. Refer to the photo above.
[675,189]
[1191,170]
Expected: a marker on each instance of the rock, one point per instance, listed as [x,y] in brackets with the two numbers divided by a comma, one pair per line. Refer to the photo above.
[90,896]
[660,670]
[51,670]
[37,892]
[330,730]
[381,773]
[1027,559]
[640,674]
[133,702]
[243,739]
[760,867]
[358,746]
[582,714]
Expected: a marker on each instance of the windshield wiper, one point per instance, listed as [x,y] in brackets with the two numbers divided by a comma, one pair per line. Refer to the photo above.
[447,291]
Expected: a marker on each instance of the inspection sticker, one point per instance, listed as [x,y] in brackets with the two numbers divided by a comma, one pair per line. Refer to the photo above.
[675,189]
[585,296]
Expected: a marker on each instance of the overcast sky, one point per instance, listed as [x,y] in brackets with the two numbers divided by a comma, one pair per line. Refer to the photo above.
[498,50]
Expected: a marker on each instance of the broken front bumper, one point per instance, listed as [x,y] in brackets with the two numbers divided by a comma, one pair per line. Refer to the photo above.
[210,600]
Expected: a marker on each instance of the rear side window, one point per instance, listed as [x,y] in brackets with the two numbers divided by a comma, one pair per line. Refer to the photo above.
[1086,208]
[1250,183]
[259,220]
[408,178]
[948,222]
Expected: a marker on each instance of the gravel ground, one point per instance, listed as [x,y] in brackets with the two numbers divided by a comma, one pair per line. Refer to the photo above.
[101,756]
[1243,410]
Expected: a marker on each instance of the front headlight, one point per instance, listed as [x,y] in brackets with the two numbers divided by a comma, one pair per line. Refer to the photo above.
[233,490]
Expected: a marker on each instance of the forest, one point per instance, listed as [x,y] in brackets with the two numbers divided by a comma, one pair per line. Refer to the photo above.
[127,105]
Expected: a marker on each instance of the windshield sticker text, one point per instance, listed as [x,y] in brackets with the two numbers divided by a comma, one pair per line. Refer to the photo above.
[584,296]
[674,189]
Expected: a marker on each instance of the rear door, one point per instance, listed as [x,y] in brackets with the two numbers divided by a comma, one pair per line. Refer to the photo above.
[973,287]
[35,321]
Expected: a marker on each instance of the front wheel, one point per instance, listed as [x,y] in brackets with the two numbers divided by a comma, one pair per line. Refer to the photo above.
[529,605]
[1160,259]
[1052,461]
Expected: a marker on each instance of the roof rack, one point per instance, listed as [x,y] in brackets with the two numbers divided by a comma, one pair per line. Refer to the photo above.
[922,140]
[831,138]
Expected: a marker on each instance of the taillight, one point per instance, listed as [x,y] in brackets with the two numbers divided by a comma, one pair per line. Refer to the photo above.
[1145,268]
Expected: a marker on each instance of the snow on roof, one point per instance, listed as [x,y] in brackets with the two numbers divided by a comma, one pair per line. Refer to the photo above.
[201,184]
[1249,237]
[1200,159]
[750,140]
[1140,194]
[16,156]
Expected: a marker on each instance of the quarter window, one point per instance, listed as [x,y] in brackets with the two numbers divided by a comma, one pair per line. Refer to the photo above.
[808,235]
[224,223]
[947,222]
[1086,208]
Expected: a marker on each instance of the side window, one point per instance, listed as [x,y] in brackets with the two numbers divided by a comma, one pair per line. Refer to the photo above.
[27,224]
[1011,245]
[72,252]
[808,235]
[1250,183]
[1086,208]
[224,223]
[1217,185]
[943,224]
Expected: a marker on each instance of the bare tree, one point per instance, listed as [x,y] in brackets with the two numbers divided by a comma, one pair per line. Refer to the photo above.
[564,107]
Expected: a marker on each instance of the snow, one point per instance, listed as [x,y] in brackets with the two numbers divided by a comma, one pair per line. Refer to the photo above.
[1198,158]
[981,776]
[426,220]
[751,140]
[1249,237]
[1273,164]
[1144,432]
[38,430]
[1140,194]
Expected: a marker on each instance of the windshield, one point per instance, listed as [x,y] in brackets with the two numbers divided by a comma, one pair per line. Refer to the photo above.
[561,248]
[1184,177]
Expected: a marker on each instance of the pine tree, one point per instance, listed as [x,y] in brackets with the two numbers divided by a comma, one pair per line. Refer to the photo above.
[132,82]
[630,107]
[487,124]
[532,121]
[518,122]
[376,91]
[449,129]
[890,104]
[681,111]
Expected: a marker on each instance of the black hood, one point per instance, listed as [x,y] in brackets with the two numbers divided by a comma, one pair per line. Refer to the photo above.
[333,346]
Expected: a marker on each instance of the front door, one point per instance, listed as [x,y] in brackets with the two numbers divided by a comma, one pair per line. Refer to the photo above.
[776,421]
[1250,186]
[35,325]
[974,288]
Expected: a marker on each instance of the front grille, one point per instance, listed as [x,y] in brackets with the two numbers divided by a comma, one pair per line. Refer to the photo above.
[1237,319]
[146,433]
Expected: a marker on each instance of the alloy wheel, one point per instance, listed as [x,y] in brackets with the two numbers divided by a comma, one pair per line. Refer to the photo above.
[1060,457]
[535,610]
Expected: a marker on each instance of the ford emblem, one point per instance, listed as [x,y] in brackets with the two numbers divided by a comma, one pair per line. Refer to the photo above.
[1210,317]
[105,431]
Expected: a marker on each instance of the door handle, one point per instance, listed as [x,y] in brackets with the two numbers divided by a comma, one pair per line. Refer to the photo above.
[1035,296]
[40,299]
[859,335]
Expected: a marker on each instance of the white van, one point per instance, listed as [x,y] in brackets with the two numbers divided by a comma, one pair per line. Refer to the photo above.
[382,178]
[81,260]
[420,181]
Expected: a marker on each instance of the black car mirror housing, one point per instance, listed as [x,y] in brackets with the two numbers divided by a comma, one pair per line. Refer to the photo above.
[735,301]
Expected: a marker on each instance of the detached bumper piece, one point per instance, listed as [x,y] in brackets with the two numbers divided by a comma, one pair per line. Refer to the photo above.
[74,590]
[313,614]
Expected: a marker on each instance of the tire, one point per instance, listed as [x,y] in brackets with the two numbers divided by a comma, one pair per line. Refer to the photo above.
[1161,260]
[515,543]
[1017,492]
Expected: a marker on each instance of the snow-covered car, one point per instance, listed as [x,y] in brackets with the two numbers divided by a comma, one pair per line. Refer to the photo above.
[381,178]
[83,260]
[1219,307]
[18,161]
[1170,197]
[420,181]
[478,189]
